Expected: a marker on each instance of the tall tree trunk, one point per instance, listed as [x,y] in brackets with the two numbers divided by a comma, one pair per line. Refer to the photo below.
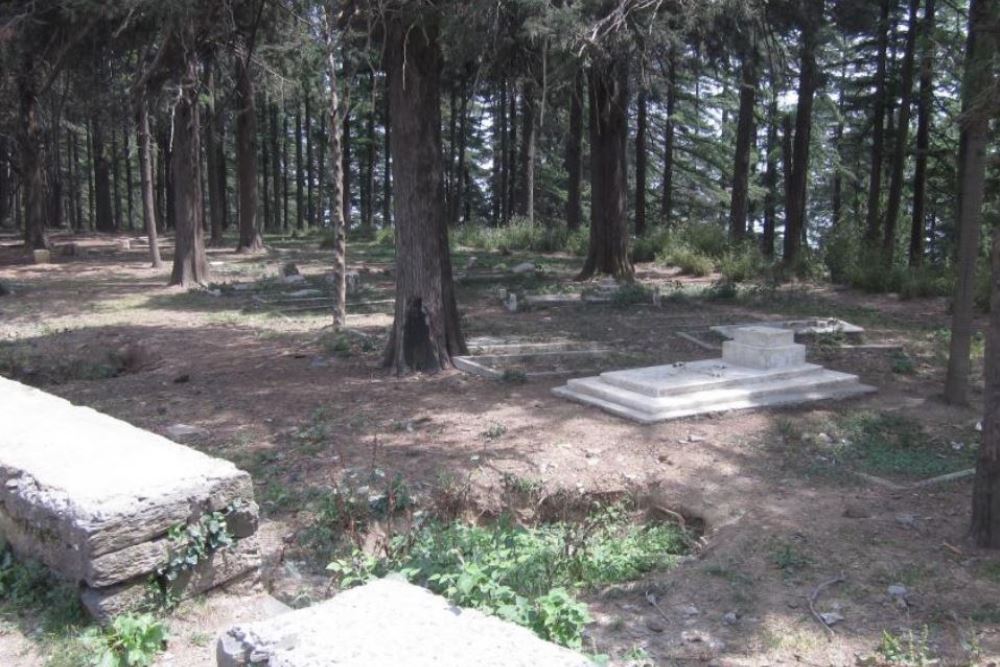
[5,182]
[745,131]
[460,167]
[337,221]
[368,182]
[116,197]
[285,182]
[426,332]
[246,157]
[837,196]
[529,130]
[899,149]
[265,163]
[496,165]
[29,140]
[190,266]
[104,221]
[146,181]
[310,174]
[574,154]
[275,166]
[924,113]
[345,158]
[608,247]
[216,185]
[795,207]
[667,201]
[878,129]
[640,165]
[72,175]
[300,179]
[770,179]
[984,16]
[513,180]
[973,142]
[386,163]
[54,177]
[501,194]
[130,210]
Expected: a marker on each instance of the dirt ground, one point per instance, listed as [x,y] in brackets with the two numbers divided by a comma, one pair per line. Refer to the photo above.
[263,386]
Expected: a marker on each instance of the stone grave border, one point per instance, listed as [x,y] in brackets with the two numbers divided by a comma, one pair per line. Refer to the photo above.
[485,364]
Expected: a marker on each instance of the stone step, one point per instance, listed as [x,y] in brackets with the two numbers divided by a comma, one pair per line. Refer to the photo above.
[676,380]
[821,385]
[834,390]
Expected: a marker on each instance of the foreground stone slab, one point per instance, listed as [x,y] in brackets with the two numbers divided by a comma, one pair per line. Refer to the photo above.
[93,497]
[762,367]
[388,623]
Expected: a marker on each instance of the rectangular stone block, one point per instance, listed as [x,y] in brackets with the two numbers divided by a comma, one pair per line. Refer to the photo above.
[764,336]
[93,497]
[751,356]
[41,256]
[236,563]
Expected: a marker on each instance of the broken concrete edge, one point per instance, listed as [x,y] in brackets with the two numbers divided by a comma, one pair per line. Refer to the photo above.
[804,326]
[930,481]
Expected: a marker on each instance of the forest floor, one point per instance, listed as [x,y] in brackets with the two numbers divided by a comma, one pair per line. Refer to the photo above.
[789,498]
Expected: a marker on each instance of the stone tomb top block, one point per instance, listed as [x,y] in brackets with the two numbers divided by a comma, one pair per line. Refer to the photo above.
[389,623]
[764,348]
[93,497]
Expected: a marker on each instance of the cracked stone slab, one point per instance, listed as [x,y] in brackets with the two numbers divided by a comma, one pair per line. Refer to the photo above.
[388,623]
[78,486]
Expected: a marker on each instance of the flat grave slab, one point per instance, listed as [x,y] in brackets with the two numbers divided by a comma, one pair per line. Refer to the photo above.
[760,368]
[93,498]
[810,326]
[388,623]
[493,358]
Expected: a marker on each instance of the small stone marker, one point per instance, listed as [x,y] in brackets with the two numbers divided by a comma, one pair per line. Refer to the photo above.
[761,367]
[93,498]
[388,622]
[41,256]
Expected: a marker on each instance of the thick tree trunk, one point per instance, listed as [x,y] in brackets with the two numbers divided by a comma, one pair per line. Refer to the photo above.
[745,131]
[667,189]
[337,221]
[425,332]
[104,221]
[246,158]
[795,207]
[640,166]
[5,182]
[275,166]
[899,149]
[574,154]
[72,168]
[345,158]
[608,248]
[190,266]
[116,197]
[924,113]
[500,195]
[29,139]
[127,157]
[496,182]
[460,167]
[973,142]
[513,179]
[285,182]
[265,166]
[368,180]
[878,128]
[983,19]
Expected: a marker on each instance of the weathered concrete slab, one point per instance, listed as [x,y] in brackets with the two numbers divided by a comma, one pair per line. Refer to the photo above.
[760,368]
[811,326]
[388,623]
[93,497]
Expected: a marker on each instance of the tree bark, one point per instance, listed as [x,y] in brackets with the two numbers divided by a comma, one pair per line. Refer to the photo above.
[902,133]
[973,143]
[460,167]
[770,179]
[29,140]
[146,181]
[368,181]
[500,195]
[104,220]
[310,173]
[386,163]
[574,154]
[116,198]
[265,164]
[190,266]
[878,128]
[924,113]
[246,157]
[345,148]
[337,221]
[300,181]
[275,166]
[608,247]
[795,207]
[529,133]
[667,201]
[513,180]
[426,331]
[745,130]
[640,166]
[216,185]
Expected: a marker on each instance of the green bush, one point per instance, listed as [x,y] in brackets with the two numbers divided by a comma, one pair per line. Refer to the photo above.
[690,262]
[744,263]
[840,254]
[386,237]
[130,641]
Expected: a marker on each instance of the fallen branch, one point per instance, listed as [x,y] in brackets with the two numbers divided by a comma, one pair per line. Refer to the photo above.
[840,578]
